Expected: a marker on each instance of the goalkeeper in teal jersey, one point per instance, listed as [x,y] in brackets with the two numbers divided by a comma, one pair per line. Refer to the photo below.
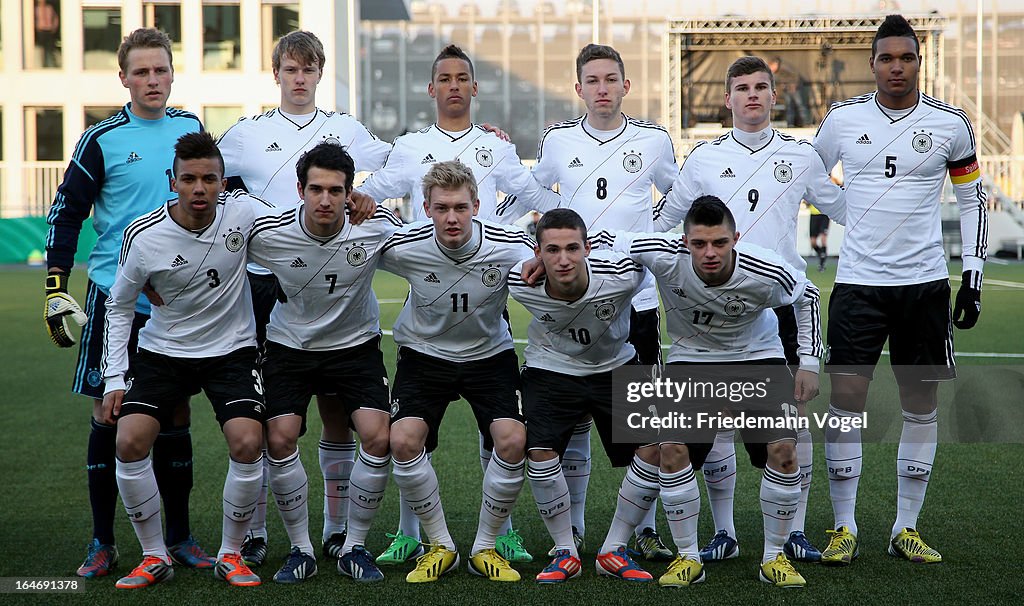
[120,170]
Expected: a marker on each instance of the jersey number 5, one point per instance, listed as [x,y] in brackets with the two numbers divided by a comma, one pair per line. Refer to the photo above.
[890,166]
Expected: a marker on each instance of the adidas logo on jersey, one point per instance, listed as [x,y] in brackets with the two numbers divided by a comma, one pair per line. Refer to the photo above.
[864,140]
[576,163]
[273,147]
[178,262]
[429,159]
[547,318]
[727,174]
[298,262]
[133,158]
[432,278]
[679,292]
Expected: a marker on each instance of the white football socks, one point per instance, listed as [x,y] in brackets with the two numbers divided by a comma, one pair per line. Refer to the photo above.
[680,497]
[720,481]
[550,491]
[137,485]
[501,486]
[418,483]
[576,469]
[336,459]
[780,493]
[366,491]
[241,492]
[914,460]
[844,458]
[637,493]
[290,487]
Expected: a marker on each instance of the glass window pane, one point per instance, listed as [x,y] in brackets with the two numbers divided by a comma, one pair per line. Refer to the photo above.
[222,37]
[101,35]
[44,133]
[167,18]
[42,43]
[99,114]
[278,20]
[218,118]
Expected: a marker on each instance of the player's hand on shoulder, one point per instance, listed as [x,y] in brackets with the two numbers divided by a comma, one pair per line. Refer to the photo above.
[487,126]
[967,308]
[60,306]
[360,207]
[533,270]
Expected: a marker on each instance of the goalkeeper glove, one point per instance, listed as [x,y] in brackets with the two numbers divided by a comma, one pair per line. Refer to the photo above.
[59,306]
[968,301]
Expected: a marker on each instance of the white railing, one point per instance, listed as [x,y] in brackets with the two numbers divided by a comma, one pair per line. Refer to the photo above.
[27,188]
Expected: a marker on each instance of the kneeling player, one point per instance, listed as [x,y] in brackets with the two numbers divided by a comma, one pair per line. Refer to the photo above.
[192,253]
[326,340]
[577,338]
[718,298]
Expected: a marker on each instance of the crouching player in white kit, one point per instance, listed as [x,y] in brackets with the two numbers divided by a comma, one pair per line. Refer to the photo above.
[203,337]
[325,339]
[577,337]
[453,341]
[718,297]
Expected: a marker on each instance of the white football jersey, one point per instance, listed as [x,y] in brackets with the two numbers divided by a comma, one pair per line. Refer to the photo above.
[454,310]
[606,180]
[586,336]
[331,303]
[494,163]
[262,150]
[207,307]
[732,322]
[762,187]
[894,167]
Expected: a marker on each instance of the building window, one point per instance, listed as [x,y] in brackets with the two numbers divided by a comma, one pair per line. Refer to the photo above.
[222,36]
[101,36]
[218,118]
[44,133]
[42,39]
[166,17]
[97,114]
[278,19]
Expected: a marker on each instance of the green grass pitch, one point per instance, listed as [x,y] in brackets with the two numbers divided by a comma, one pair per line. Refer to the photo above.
[971,514]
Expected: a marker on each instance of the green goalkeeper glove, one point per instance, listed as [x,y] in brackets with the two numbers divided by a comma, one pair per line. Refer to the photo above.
[59,306]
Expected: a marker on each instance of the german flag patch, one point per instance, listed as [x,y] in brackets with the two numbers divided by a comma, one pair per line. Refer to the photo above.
[964,171]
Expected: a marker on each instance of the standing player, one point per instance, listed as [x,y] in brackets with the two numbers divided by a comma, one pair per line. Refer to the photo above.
[718,299]
[576,339]
[896,146]
[818,229]
[605,164]
[191,252]
[763,175]
[259,157]
[496,167]
[325,339]
[120,170]
[494,162]
[453,341]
